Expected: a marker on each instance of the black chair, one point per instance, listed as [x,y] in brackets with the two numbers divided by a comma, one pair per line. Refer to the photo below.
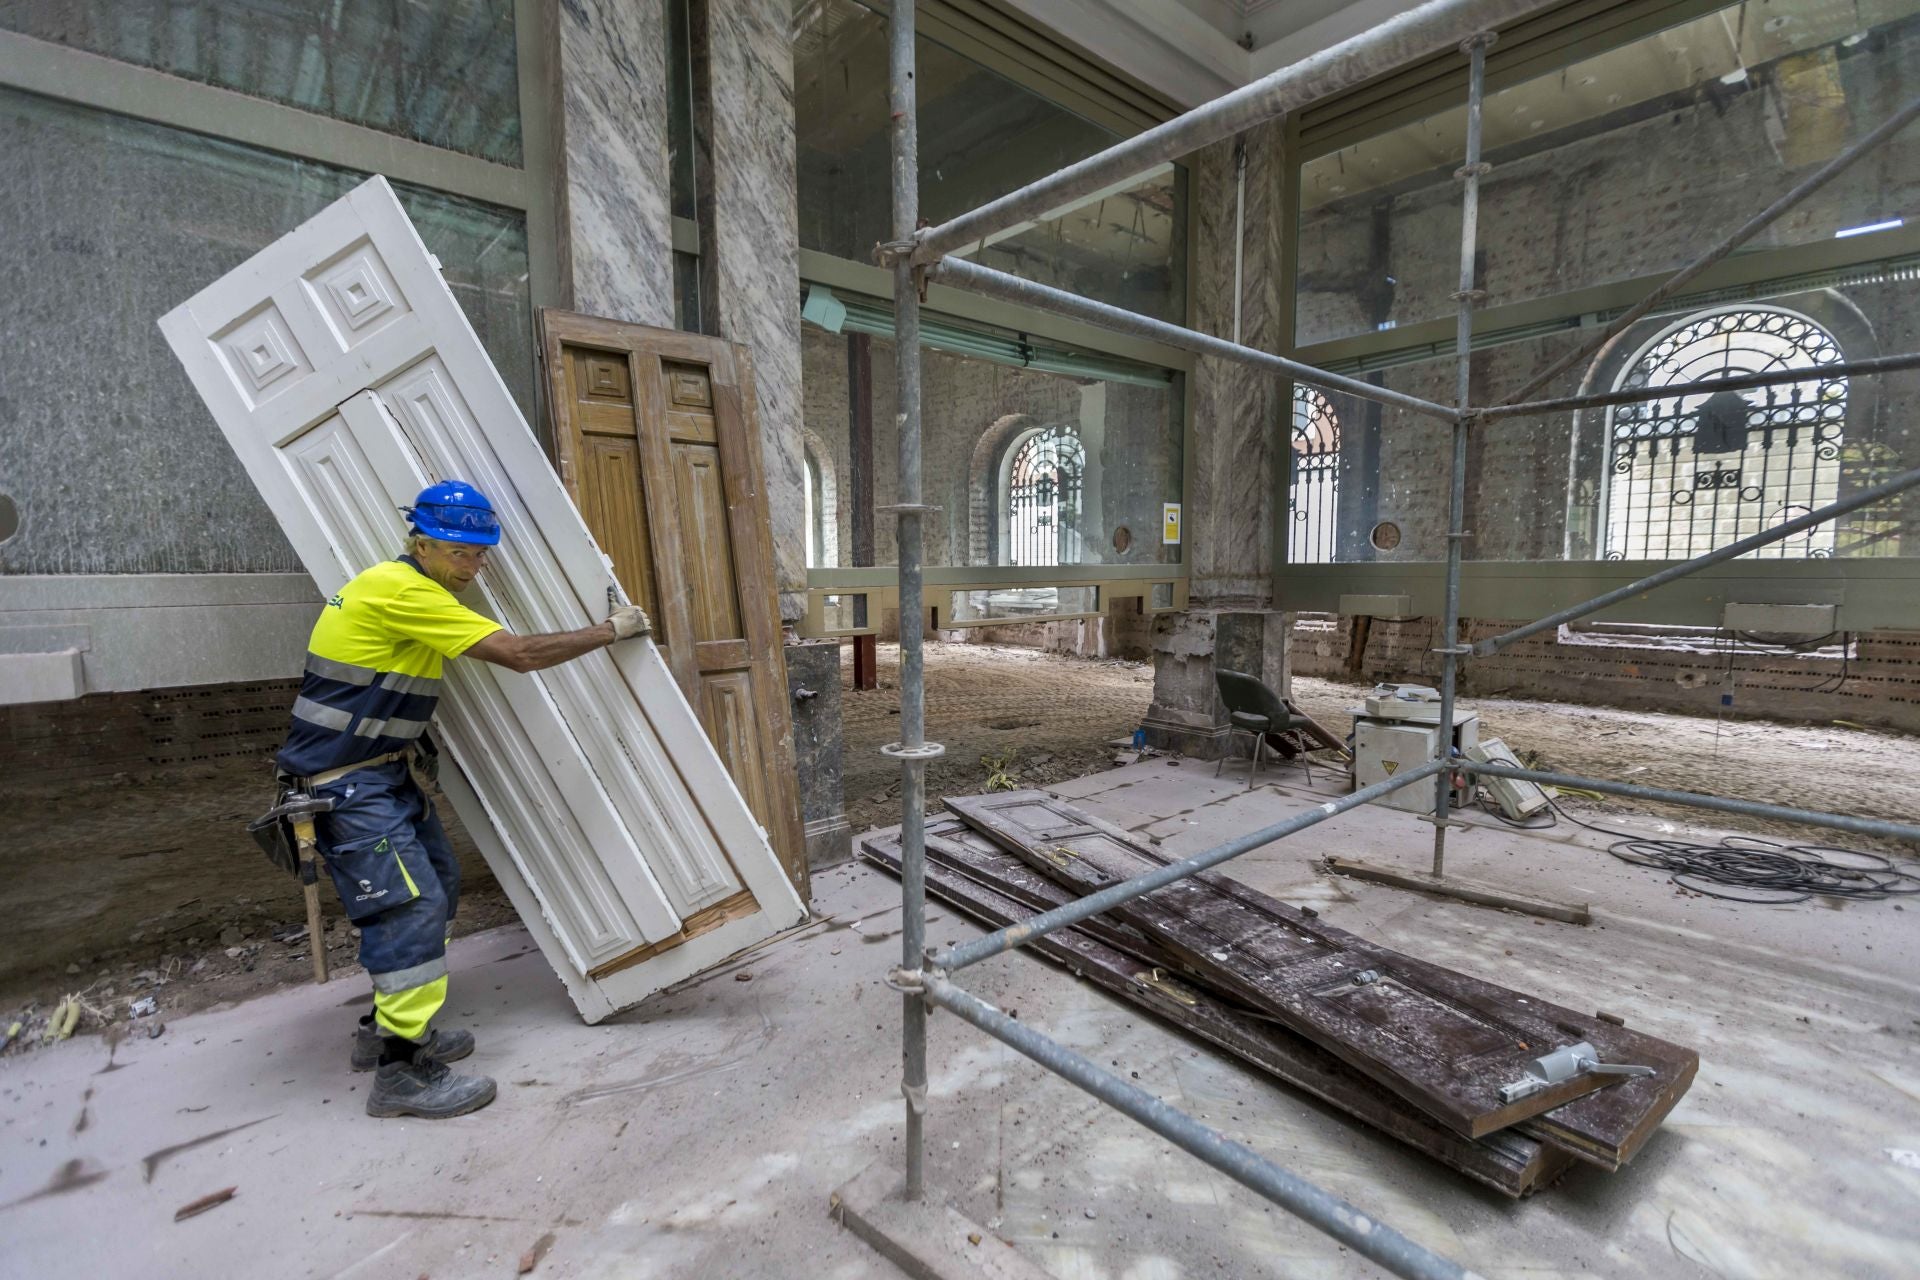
[1253,708]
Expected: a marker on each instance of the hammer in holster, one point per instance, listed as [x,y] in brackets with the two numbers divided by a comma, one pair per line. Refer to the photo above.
[297,810]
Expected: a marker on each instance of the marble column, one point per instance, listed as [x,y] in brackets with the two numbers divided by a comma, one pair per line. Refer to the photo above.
[610,160]
[1239,417]
[813,684]
[750,246]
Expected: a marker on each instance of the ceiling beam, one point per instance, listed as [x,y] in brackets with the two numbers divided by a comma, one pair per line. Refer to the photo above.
[1161,43]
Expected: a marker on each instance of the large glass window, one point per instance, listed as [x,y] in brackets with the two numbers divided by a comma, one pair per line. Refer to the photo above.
[110,222]
[1621,165]
[444,73]
[981,136]
[1034,456]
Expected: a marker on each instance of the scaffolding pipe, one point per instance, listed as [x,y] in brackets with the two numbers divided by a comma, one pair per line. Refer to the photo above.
[1864,498]
[999,941]
[1740,235]
[911,750]
[964,274]
[1318,1208]
[1878,827]
[1704,386]
[1469,173]
[1428,29]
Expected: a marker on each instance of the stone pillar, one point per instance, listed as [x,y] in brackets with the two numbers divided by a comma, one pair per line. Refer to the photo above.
[1239,417]
[610,159]
[813,684]
[748,200]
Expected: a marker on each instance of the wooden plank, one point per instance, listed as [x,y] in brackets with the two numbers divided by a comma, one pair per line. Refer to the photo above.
[1465,890]
[1318,732]
[1442,1040]
[995,888]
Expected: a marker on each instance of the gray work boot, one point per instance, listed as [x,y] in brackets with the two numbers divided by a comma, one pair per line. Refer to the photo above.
[454,1043]
[426,1087]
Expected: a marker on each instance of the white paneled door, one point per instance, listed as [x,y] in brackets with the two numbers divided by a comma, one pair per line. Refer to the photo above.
[345,376]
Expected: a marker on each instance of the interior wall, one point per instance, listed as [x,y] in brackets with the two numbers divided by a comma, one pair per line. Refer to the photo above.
[1564,214]
[973,411]
[1881,685]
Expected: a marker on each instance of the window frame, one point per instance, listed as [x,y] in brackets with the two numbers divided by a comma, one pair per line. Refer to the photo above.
[1022,54]
[1879,593]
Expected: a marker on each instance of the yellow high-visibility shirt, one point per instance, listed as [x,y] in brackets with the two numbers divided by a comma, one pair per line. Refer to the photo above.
[373,667]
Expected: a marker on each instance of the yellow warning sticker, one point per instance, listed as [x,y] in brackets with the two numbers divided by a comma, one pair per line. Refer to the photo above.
[1170,524]
[1391,766]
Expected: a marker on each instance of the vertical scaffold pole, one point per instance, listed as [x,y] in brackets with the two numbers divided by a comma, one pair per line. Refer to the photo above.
[913,751]
[1470,173]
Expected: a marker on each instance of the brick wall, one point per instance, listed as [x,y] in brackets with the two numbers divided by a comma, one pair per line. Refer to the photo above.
[139,733]
[1882,684]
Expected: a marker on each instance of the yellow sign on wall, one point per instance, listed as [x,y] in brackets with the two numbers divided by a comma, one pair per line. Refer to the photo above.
[1170,524]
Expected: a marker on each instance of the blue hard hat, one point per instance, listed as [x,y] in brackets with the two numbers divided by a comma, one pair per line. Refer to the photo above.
[454,511]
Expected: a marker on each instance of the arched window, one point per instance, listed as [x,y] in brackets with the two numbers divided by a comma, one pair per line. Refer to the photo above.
[1044,487]
[1313,498]
[822,509]
[1698,471]
[814,532]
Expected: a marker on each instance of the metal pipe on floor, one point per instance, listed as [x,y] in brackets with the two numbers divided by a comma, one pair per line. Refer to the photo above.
[1002,940]
[911,750]
[1738,236]
[964,274]
[1704,386]
[1427,29]
[1864,498]
[1470,173]
[1312,1204]
[1878,827]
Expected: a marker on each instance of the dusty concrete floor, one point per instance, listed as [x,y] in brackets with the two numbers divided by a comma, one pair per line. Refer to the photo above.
[700,1134]
[1831,768]
[118,885]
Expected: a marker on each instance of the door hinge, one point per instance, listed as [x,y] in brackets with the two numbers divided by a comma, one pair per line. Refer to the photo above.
[1562,1065]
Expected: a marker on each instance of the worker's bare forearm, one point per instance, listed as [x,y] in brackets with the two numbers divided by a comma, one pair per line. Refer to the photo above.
[537,653]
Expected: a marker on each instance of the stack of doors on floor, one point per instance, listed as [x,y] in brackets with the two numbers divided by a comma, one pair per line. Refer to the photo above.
[1418,1051]
[343,373]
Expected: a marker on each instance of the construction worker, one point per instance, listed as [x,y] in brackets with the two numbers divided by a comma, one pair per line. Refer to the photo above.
[372,680]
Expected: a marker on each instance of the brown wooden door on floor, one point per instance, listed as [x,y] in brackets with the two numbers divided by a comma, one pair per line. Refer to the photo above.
[1442,1040]
[655,438]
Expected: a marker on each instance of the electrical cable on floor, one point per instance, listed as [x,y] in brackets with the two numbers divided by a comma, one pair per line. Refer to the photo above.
[1790,872]
[1521,823]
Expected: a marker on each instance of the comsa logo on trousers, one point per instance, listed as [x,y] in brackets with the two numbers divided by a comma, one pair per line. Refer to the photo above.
[367,892]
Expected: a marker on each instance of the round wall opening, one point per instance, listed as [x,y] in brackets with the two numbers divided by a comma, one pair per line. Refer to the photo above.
[1122,538]
[1386,535]
[9,518]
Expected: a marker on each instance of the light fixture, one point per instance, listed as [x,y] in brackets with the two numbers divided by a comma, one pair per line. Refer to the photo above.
[823,309]
[1870,228]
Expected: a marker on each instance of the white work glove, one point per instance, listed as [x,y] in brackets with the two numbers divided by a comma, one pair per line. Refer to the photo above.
[629,620]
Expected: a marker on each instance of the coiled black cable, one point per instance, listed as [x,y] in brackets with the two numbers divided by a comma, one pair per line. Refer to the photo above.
[1755,866]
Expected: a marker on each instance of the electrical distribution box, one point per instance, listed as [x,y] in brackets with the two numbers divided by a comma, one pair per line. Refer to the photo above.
[1382,750]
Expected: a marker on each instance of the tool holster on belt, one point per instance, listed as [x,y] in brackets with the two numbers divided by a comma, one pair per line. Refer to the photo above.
[285,832]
